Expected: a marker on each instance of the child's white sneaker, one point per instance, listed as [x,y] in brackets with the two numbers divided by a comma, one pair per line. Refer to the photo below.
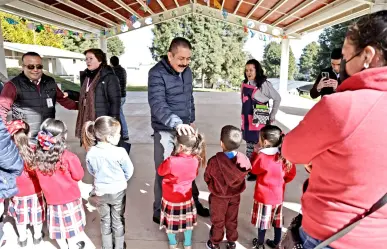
[172,246]
[187,247]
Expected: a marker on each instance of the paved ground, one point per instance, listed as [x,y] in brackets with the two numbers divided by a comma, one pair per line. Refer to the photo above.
[214,110]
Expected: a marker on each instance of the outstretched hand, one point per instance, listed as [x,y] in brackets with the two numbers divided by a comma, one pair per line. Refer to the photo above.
[185,129]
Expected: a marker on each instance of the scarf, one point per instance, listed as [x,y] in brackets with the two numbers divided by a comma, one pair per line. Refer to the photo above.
[87,102]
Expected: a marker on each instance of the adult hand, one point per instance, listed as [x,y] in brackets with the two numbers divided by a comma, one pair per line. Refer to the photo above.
[333,83]
[272,120]
[185,129]
[323,83]
[65,94]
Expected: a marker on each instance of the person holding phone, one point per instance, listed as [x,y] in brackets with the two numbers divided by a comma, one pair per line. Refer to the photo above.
[329,78]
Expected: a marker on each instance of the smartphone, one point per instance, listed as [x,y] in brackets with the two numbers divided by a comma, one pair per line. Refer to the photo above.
[325,75]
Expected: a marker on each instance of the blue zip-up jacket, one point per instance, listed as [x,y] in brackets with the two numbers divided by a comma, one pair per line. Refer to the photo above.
[170,96]
[11,164]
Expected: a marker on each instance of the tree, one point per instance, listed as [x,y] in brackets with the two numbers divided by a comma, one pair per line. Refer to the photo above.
[115,46]
[308,59]
[272,61]
[218,58]
[19,33]
[330,38]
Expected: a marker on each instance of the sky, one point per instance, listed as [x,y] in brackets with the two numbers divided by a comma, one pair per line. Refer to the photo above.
[137,45]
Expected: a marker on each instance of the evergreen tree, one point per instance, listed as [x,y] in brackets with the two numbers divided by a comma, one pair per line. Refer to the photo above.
[272,61]
[308,59]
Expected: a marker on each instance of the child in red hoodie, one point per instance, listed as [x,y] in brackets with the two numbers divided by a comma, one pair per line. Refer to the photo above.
[27,207]
[178,212]
[59,171]
[273,172]
[225,176]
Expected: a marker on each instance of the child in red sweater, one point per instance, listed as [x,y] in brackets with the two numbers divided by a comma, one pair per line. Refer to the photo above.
[27,207]
[59,171]
[225,176]
[273,172]
[178,212]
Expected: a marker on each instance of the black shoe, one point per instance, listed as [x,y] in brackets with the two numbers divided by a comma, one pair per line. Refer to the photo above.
[271,243]
[202,211]
[22,243]
[37,241]
[81,244]
[259,247]
[156,220]
[231,245]
[251,177]
[209,245]
[125,138]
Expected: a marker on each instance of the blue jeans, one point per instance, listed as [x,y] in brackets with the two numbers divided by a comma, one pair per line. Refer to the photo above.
[124,126]
[309,242]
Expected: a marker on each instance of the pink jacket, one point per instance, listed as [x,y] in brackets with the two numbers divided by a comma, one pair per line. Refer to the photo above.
[345,138]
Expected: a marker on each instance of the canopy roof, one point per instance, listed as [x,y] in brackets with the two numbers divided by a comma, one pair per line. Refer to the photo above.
[286,17]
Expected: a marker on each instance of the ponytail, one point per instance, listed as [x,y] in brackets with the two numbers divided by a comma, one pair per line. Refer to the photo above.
[288,164]
[199,149]
[88,135]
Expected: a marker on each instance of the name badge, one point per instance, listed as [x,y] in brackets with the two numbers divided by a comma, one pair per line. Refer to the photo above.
[49,103]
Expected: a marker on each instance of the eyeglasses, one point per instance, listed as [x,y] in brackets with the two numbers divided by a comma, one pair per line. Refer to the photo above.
[32,67]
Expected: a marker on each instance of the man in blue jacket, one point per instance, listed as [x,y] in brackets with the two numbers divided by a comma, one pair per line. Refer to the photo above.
[11,164]
[170,97]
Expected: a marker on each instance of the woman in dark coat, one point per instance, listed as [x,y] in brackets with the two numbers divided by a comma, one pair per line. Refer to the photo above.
[100,90]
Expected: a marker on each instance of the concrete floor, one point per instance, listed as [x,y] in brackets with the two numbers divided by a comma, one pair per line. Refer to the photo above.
[213,111]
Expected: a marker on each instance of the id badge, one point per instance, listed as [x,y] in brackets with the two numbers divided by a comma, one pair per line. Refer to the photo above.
[49,103]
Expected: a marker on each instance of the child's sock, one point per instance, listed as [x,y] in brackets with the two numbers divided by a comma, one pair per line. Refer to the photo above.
[261,236]
[187,237]
[172,238]
[62,243]
[38,231]
[22,230]
[277,235]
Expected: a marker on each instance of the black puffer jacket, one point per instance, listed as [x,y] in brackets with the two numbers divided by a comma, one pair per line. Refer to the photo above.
[121,74]
[107,94]
[170,96]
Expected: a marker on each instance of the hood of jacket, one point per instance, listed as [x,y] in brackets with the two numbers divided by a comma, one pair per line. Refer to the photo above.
[233,170]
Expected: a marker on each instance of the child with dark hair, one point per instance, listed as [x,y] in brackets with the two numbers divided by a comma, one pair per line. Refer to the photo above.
[111,168]
[59,171]
[225,176]
[273,173]
[178,211]
[27,207]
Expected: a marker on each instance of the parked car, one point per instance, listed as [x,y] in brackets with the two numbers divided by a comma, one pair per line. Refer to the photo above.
[304,89]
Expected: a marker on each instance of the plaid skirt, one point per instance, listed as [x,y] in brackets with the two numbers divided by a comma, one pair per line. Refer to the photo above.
[267,216]
[178,217]
[27,210]
[66,220]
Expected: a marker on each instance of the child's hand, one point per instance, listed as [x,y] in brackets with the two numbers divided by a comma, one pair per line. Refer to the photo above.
[257,148]
[308,167]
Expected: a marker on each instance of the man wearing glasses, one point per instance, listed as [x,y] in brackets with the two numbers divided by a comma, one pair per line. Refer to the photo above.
[32,95]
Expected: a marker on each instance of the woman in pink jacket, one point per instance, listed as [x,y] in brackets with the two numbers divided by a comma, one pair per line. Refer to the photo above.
[344,136]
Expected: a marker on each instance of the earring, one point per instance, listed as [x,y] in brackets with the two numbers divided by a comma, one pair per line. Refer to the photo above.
[366,65]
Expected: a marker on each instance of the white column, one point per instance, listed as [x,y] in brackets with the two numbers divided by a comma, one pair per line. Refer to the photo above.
[103,43]
[284,74]
[379,5]
[50,66]
[3,66]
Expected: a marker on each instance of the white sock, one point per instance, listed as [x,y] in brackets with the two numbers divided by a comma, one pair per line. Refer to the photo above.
[38,231]
[22,230]
[62,243]
[1,208]
[73,241]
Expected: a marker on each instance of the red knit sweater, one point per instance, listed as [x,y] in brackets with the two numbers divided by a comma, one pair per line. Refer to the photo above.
[179,172]
[271,177]
[27,183]
[62,186]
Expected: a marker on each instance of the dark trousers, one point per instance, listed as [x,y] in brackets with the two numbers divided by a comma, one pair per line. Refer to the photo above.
[111,208]
[163,148]
[224,214]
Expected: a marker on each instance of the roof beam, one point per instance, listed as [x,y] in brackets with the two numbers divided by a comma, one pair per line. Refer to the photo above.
[145,6]
[161,5]
[40,12]
[3,2]
[223,3]
[88,12]
[274,9]
[254,8]
[209,3]
[294,11]
[126,7]
[177,3]
[108,10]
[327,12]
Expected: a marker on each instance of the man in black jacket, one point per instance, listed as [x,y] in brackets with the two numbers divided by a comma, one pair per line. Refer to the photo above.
[121,74]
[325,86]
[170,97]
